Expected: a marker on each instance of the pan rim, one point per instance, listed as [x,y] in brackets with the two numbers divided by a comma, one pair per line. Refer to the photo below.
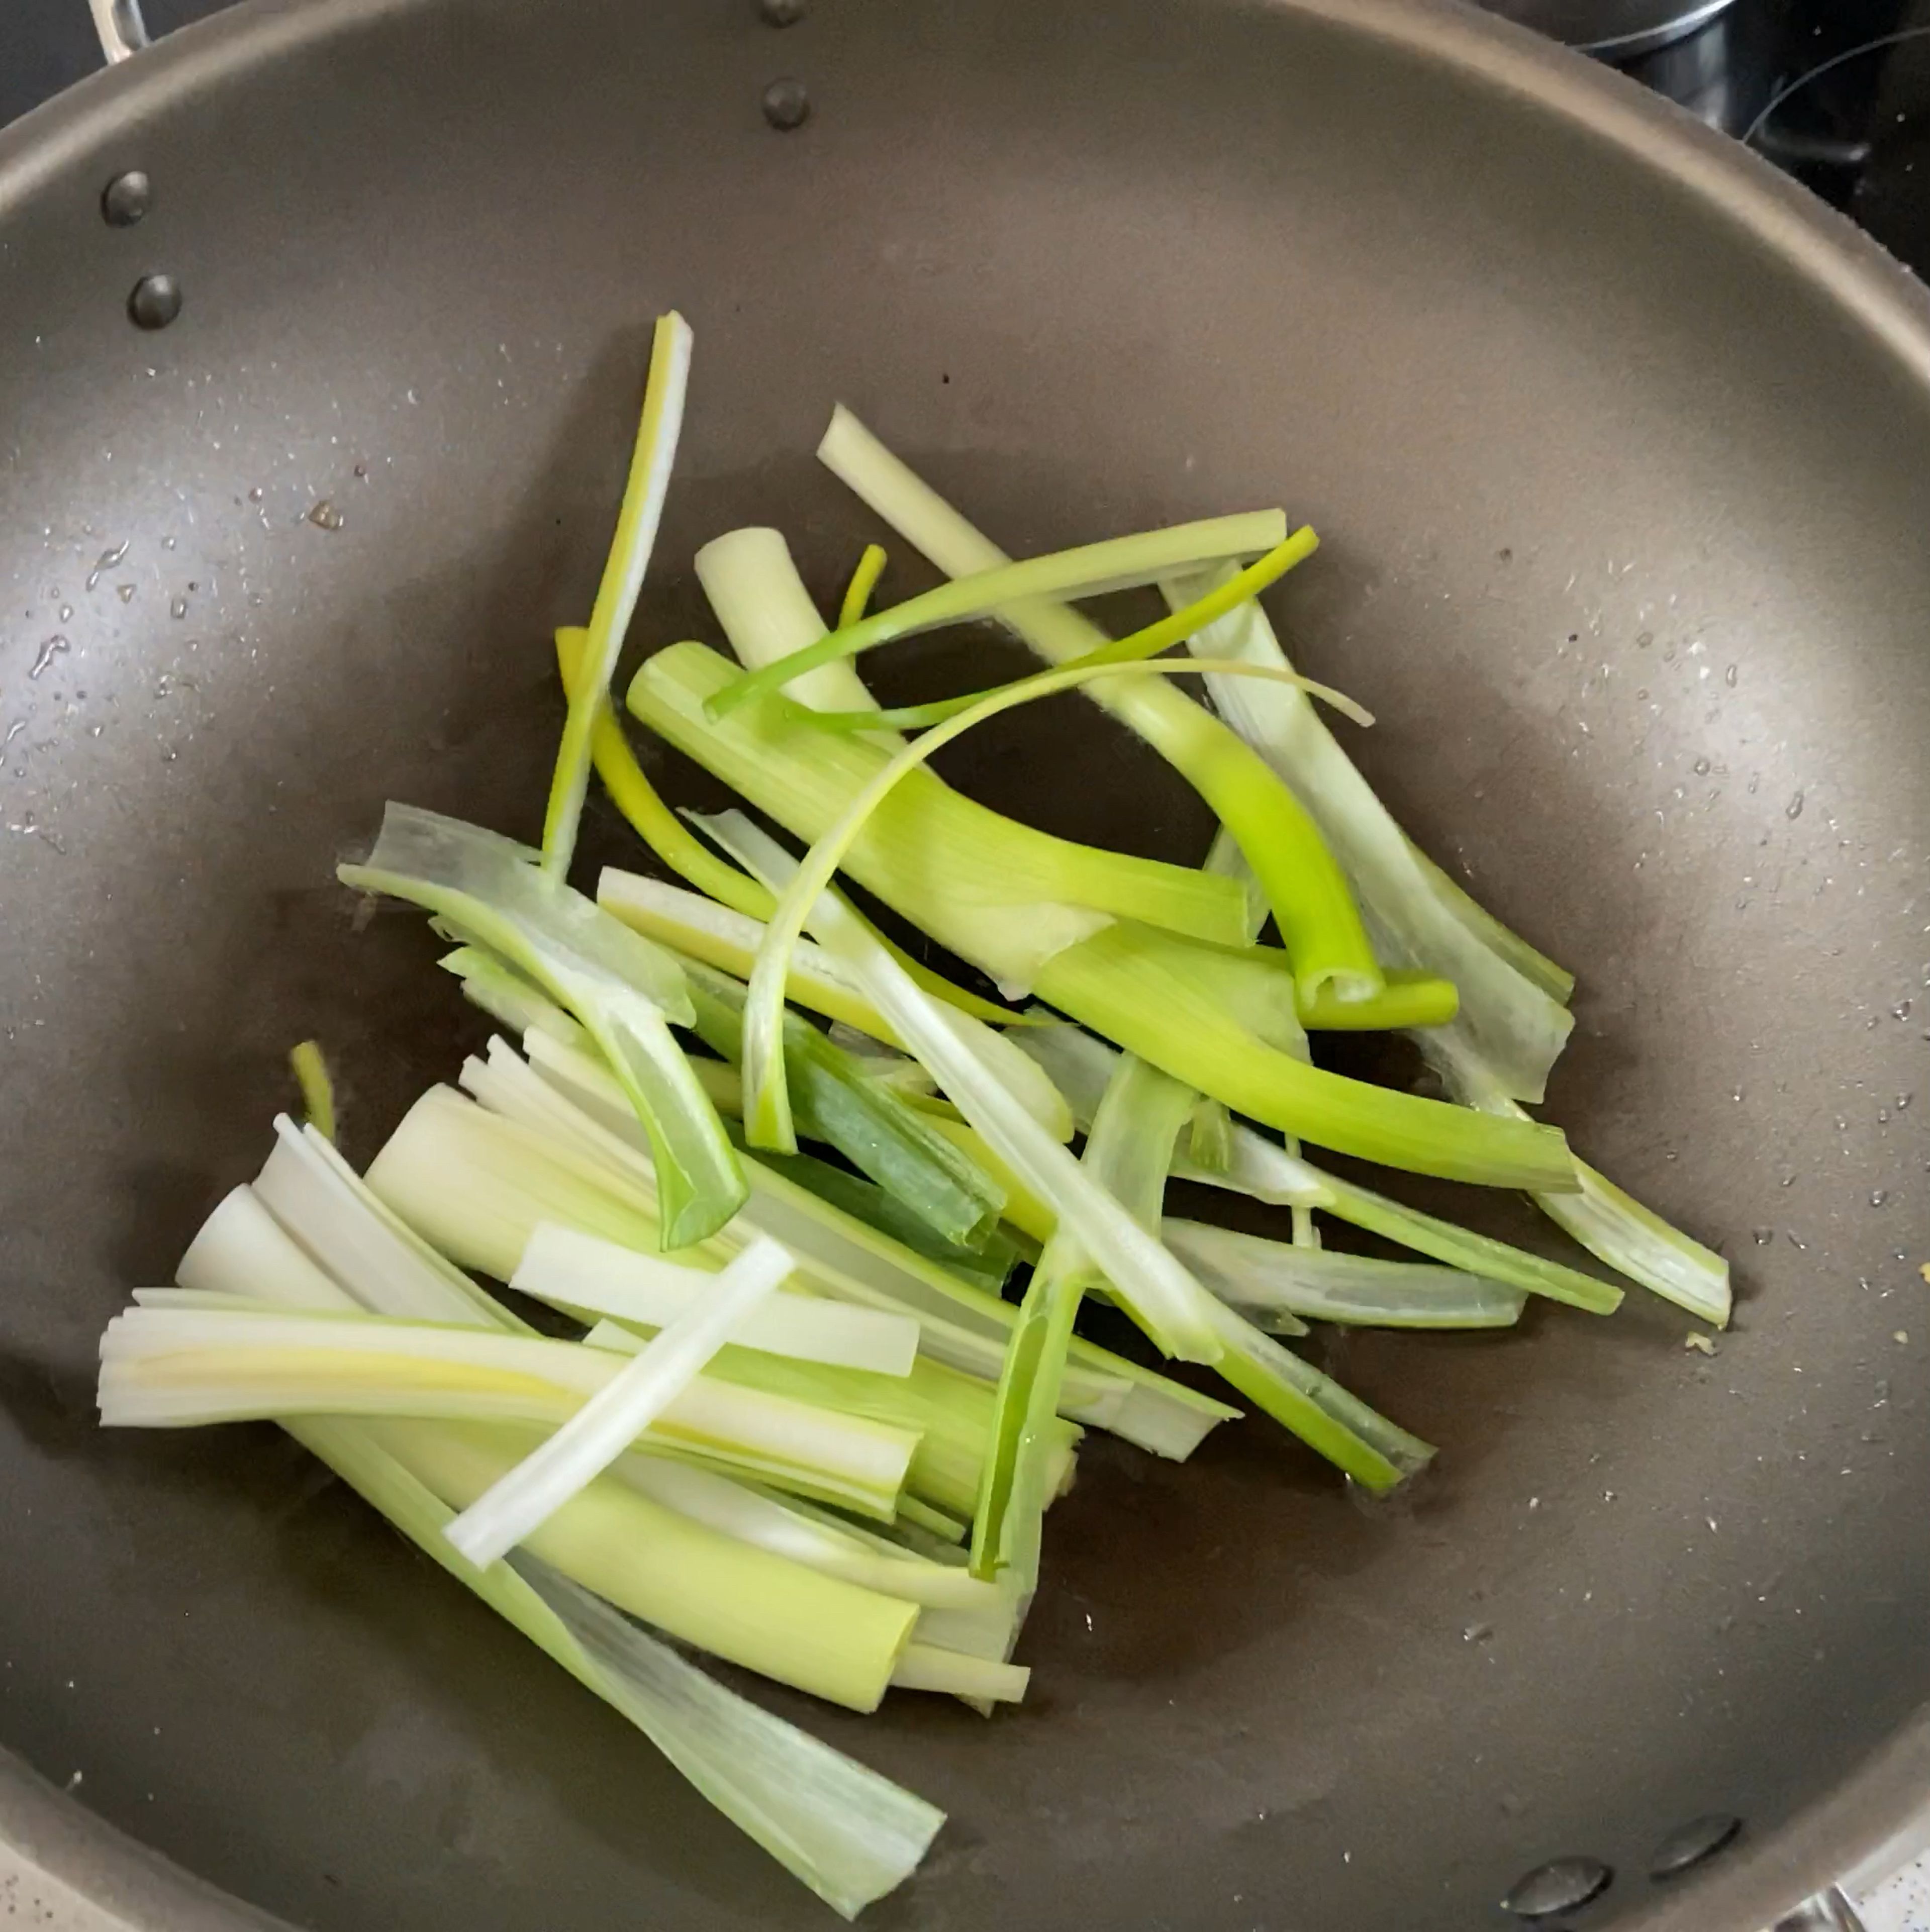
[1864,1826]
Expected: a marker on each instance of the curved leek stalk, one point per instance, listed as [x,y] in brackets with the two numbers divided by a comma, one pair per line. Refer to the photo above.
[624,990]
[622,580]
[1092,570]
[1127,985]
[1414,915]
[687,855]
[1319,921]
[998,893]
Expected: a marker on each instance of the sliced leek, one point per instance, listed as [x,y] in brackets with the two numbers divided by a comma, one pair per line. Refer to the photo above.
[624,991]
[1092,570]
[1309,896]
[637,521]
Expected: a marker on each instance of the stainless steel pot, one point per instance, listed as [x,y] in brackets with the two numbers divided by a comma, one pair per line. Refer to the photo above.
[1623,28]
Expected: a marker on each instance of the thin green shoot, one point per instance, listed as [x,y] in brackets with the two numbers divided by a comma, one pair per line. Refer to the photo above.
[648,483]
[1145,643]
[1092,570]
[864,581]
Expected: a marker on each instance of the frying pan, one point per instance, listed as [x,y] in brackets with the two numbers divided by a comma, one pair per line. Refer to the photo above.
[1619,446]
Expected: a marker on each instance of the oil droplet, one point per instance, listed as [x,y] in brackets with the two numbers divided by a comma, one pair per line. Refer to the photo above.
[1477,1633]
[254,495]
[324,516]
[1794,808]
[1764,1236]
[1901,1011]
[125,591]
[167,543]
[13,731]
[49,651]
[108,558]
[67,613]
[1878,1195]
[178,608]
[1796,1241]
[1729,677]
[1904,1100]
[1701,767]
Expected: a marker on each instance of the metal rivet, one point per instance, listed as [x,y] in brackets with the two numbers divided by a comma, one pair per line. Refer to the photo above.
[1559,1886]
[780,12]
[786,105]
[126,198]
[1689,1844]
[155,301]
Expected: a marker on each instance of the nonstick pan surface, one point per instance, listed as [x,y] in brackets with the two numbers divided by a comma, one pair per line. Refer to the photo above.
[1621,451]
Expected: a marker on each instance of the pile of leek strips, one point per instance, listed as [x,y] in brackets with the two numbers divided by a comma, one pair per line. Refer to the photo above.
[727,1299]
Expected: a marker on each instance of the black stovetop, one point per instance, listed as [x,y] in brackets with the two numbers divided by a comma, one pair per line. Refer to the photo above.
[1837,91]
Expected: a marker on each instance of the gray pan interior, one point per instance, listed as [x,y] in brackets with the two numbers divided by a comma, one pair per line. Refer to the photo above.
[1619,446]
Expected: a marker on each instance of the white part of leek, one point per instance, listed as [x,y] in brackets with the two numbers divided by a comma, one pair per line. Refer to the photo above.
[578,1270]
[779,1528]
[925,1666]
[332,1214]
[242,1250]
[959,1325]
[625,990]
[609,1422]
[1146,1280]
[766,613]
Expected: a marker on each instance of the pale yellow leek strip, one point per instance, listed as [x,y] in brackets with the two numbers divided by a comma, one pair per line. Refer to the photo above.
[318,1090]
[623,581]
[864,581]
